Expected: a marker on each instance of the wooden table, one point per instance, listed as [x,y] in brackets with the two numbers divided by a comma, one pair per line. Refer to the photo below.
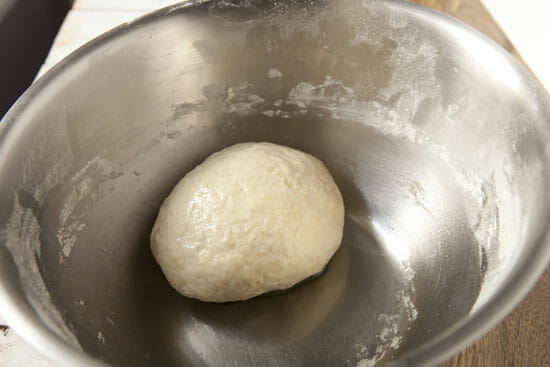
[523,338]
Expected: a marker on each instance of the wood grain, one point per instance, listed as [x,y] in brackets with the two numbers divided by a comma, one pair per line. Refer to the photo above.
[523,338]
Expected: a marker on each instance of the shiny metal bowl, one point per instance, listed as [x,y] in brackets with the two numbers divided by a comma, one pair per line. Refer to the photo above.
[437,138]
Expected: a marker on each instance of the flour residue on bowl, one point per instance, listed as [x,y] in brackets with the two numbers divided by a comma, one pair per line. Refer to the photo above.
[24,230]
[485,207]
[330,90]
[90,182]
[388,339]
[274,73]
[22,238]
[389,333]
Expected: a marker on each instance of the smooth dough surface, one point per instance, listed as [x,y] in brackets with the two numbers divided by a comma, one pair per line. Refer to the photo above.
[252,218]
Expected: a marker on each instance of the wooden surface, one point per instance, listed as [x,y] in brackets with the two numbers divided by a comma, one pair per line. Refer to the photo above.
[523,338]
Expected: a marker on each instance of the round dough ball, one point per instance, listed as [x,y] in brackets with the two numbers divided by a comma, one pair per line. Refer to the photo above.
[252,218]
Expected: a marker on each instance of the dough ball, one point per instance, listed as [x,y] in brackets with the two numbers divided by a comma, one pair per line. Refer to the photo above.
[252,218]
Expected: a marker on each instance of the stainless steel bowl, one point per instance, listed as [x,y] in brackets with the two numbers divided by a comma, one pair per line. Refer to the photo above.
[437,138]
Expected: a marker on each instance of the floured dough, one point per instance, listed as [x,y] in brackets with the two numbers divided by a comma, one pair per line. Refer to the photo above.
[252,218]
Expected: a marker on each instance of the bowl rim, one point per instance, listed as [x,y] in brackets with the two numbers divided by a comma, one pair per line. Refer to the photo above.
[519,282]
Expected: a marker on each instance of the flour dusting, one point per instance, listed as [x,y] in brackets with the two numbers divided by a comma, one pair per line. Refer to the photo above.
[274,73]
[22,238]
[90,182]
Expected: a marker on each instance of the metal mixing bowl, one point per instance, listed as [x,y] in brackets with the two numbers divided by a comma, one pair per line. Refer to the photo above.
[437,138]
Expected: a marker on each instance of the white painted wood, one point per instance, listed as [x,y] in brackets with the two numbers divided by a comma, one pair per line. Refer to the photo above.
[81,26]
[526,24]
[90,18]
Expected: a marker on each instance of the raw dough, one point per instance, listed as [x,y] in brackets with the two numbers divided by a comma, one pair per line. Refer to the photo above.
[252,218]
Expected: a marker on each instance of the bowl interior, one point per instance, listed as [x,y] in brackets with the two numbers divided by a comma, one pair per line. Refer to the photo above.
[432,149]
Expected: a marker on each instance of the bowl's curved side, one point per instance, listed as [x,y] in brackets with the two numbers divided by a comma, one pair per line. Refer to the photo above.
[529,268]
